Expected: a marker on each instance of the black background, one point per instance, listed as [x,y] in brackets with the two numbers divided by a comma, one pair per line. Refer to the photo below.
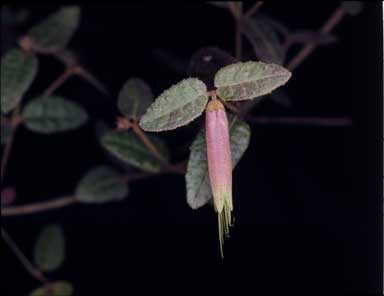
[307,202]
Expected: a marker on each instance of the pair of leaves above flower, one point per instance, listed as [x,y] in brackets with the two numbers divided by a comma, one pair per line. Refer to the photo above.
[197,177]
[54,33]
[58,288]
[53,114]
[18,70]
[128,147]
[186,100]
[100,185]
[49,251]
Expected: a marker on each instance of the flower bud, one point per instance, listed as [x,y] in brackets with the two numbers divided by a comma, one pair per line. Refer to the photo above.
[219,164]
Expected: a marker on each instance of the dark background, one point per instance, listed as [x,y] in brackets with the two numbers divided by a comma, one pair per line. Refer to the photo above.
[307,202]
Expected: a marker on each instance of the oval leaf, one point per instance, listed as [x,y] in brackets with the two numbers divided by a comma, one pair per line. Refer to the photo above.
[197,177]
[53,114]
[264,40]
[54,33]
[59,288]
[128,147]
[49,249]
[18,70]
[176,106]
[245,81]
[102,184]
[134,98]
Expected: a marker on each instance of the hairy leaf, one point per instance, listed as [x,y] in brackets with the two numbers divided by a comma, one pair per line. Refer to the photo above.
[245,81]
[264,40]
[101,185]
[53,114]
[54,33]
[134,98]
[176,106]
[49,251]
[197,176]
[58,288]
[18,70]
[128,147]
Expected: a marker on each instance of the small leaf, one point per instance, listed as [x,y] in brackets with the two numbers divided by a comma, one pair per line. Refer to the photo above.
[176,106]
[58,288]
[18,70]
[245,81]
[52,114]
[197,177]
[101,185]
[6,131]
[54,33]
[128,147]
[49,249]
[353,7]
[264,40]
[134,98]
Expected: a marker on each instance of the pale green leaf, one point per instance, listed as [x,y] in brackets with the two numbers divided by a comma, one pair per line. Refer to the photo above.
[54,33]
[176,106]
[49,251]
[134,98]
[53,114]
[245,81]
[18,70]
[100,185]
[58,288]
[127,147]
[197,177]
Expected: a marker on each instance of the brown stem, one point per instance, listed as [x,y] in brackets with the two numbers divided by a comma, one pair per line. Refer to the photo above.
[38,206]
[15,122]
[255,7]
[314,121]
[148,143]
[68,72]
[333,20]
[29,267]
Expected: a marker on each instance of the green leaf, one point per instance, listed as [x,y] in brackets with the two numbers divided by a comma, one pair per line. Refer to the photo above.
[176,106]
[101,185]
[49,249]
[6,131]
[54,33]
[52,114]
[18,70]
[264,40]
[134,98]
[352,7]
[128,147]
[197,176]
[58,288]
[245,81]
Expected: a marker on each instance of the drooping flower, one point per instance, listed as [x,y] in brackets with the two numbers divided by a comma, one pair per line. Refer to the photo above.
[219,165]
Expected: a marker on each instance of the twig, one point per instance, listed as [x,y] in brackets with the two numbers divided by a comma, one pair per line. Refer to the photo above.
[15,122]
[148,143]
[37,274]
[310,121]
[39,206]
[255,7]
[68,72]
[333,20]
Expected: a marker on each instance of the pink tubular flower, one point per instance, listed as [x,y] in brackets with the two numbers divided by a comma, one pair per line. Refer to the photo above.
[219,164]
